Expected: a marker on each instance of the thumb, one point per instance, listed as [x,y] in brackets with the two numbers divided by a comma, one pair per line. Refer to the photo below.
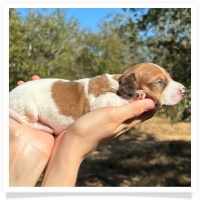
[134,109]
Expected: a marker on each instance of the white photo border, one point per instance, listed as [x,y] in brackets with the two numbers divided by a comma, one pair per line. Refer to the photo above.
[100,4]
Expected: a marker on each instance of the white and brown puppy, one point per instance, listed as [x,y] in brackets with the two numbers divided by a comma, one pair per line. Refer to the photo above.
[52,105]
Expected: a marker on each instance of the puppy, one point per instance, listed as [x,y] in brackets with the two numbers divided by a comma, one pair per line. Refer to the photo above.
[51,105]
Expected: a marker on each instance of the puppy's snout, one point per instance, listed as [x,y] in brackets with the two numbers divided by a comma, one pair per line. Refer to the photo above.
[183,91]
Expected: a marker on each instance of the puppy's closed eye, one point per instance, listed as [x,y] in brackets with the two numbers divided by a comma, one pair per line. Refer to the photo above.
[161,83]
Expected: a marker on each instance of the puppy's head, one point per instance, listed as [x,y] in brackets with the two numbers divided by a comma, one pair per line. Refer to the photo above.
[155,81]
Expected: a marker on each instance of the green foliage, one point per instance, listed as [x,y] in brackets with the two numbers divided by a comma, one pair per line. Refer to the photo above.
[43,44]
[167,37]
[17,47]
[51,44]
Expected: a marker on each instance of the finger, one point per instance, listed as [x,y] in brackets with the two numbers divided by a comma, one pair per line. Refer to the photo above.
[143,117]
[35,77]
[20,82]
[134,109]
[122,128]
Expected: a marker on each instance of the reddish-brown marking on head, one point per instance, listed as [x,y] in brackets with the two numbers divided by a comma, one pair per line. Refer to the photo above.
[150,78]
[99,85]
[70,98]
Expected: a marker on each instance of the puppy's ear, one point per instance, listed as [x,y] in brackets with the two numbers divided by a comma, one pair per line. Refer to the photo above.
[127,86]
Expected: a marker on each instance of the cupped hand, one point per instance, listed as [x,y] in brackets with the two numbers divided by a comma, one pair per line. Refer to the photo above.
[102,125]
[29,152]
[88,133]
[30,149]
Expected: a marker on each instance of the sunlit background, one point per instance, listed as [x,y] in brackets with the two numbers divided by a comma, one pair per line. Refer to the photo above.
[78,43]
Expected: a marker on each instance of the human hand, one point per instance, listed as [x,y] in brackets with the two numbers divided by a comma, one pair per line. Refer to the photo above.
[72,146]
[34,77]
[29,152]
[105,124]
[89,132]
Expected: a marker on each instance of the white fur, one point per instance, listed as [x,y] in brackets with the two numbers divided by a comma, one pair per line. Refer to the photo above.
[172,94]
[113,83]
[36,107]
[84,82]
[31,103]
[107,99]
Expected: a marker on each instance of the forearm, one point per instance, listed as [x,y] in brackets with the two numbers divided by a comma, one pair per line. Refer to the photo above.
[63,166]
[88,133]
[62,173]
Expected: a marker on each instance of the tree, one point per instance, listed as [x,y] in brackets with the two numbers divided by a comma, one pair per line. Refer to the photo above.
[49,43]
[43,43]
[167,41]
[108,50]
[17,47]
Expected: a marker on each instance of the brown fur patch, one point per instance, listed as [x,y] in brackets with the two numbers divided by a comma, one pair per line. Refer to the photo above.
[99,85]
[70,98]
[146,76]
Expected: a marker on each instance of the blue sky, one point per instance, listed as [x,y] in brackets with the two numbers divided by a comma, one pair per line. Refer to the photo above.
[88,17]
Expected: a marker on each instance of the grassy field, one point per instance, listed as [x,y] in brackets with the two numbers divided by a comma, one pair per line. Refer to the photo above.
[154,153]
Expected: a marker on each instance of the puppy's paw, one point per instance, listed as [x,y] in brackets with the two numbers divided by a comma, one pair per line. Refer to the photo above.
[139,94]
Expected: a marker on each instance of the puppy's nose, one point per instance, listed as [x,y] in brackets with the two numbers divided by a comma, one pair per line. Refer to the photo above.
[183,91]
